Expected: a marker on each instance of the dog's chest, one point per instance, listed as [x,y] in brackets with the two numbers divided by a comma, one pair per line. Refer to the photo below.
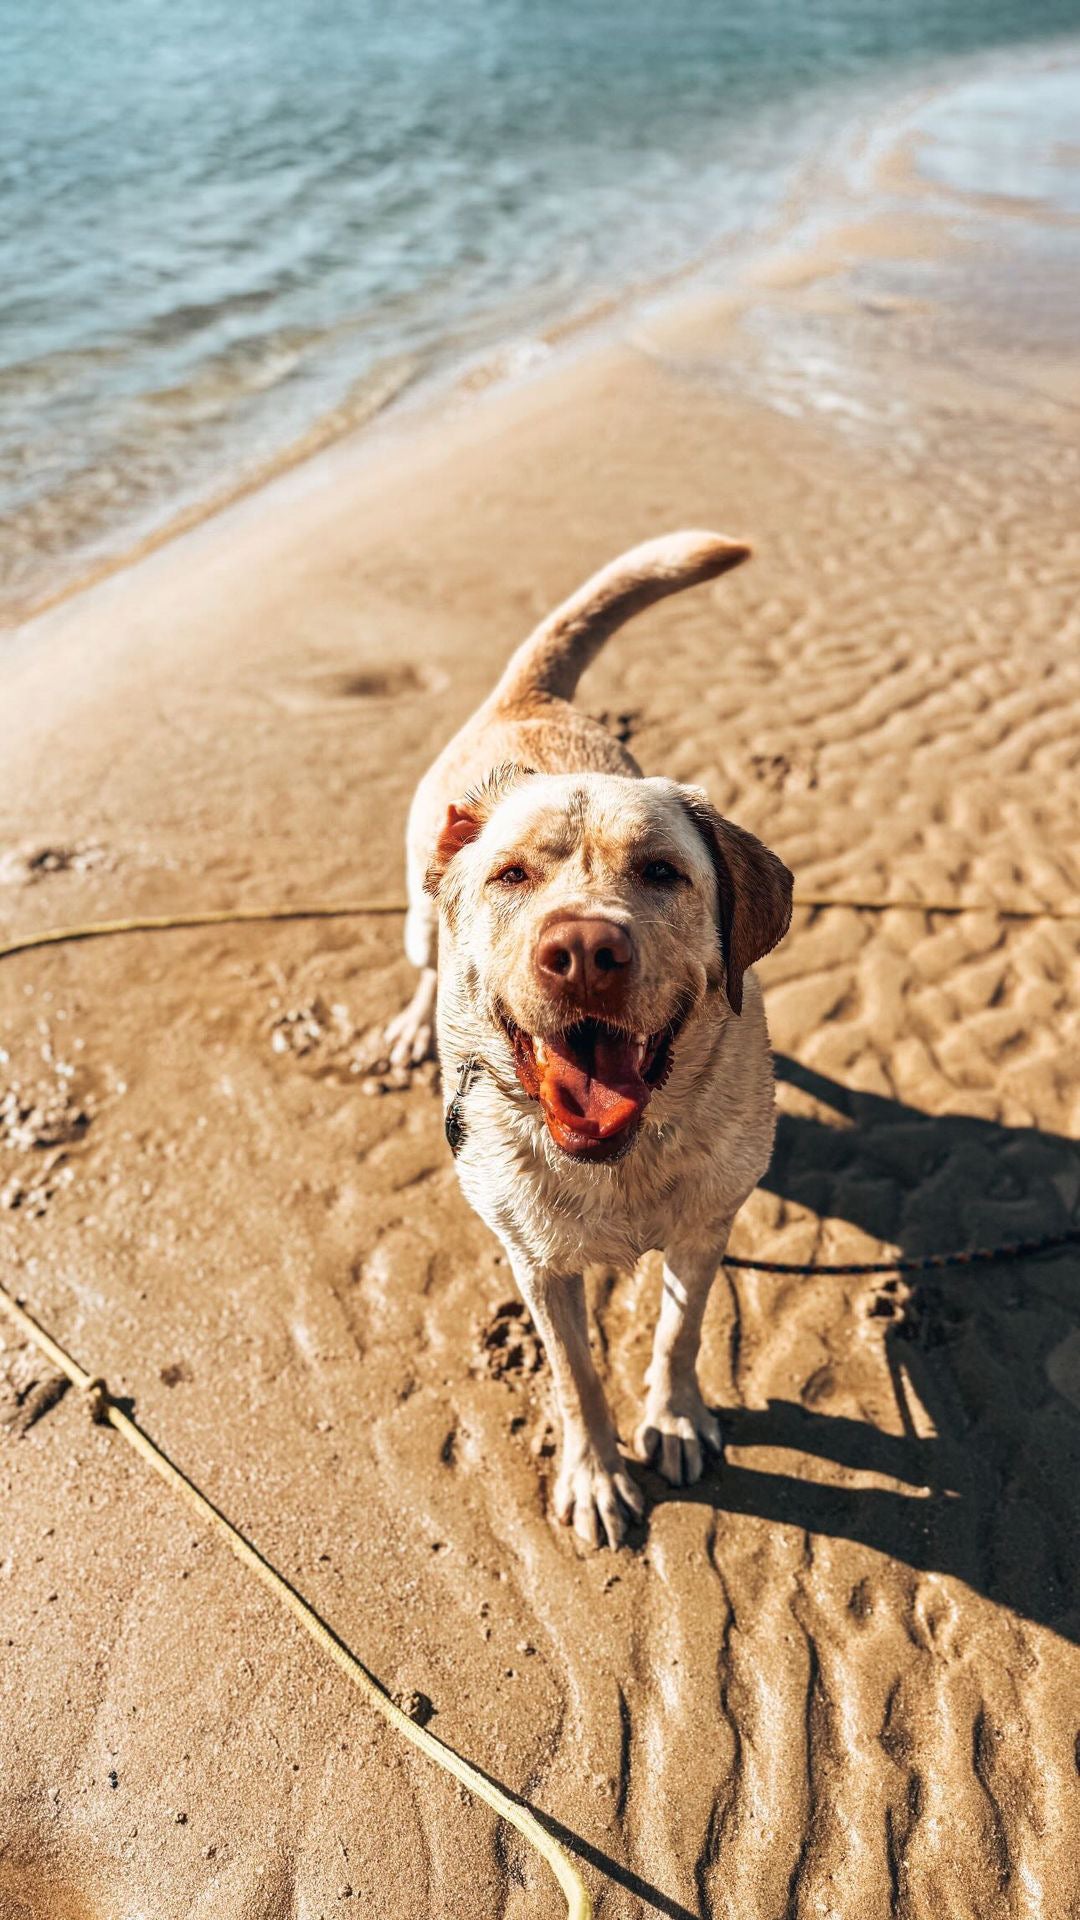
[561,1217]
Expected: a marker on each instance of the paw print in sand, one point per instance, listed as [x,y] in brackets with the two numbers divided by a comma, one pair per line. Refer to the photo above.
[511,1343]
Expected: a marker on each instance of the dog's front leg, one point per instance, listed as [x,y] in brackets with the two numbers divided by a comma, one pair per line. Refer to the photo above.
[593,1488]
[678,1427]
[409,1035]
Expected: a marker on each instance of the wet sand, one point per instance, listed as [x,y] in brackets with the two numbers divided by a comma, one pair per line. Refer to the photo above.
[840,1677]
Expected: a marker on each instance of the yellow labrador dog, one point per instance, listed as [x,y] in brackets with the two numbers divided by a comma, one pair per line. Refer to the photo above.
[604,1055]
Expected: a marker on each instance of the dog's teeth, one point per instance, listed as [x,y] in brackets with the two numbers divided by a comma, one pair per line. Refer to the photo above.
[539,1052]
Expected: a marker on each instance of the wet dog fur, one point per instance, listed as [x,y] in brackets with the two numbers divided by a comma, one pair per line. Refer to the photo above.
[585,938]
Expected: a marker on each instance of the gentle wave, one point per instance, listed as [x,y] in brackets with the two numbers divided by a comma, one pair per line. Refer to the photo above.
[225,231]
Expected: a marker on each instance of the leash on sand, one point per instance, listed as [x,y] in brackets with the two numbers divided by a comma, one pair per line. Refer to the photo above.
[239,916]
[363,909]
[925,1263]
[104,1409]
[212,917]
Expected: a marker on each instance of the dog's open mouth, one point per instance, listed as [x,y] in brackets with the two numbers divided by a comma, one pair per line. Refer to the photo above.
[593,1082]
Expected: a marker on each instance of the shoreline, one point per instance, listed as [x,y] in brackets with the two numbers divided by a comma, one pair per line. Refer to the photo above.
[398,397]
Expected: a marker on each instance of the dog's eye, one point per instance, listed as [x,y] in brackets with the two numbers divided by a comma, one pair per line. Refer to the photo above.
[660,873]
[512,876]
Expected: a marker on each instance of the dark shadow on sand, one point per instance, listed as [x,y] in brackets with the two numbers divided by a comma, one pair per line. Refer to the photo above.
[995,1495]
[624,1877]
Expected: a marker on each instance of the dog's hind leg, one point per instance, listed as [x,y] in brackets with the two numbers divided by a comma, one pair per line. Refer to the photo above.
[678,1428]
[593,1488]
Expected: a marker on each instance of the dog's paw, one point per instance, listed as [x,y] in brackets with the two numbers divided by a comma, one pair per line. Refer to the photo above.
[677,1433]
[596,1499]
[407,1041]
[409,1038]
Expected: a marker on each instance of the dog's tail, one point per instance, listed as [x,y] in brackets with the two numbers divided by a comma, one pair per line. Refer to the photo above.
[552,660]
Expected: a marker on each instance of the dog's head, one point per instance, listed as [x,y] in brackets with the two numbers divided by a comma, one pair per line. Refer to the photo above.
[589,918]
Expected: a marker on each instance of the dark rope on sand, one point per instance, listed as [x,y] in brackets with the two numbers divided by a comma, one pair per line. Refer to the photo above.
[923,1263]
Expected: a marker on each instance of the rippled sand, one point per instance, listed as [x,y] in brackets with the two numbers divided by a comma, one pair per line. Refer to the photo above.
[838,1678]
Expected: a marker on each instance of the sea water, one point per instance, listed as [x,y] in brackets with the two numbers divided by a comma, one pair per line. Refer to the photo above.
[230,226]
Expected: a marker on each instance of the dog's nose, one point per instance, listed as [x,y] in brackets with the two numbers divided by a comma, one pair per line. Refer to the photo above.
[586,958]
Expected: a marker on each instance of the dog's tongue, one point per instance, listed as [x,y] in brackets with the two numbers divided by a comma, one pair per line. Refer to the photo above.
[594,1101]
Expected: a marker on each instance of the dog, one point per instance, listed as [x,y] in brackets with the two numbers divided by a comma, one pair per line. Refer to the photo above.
[585,938]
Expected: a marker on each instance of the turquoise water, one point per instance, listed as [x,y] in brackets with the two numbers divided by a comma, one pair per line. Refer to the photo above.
[225,220]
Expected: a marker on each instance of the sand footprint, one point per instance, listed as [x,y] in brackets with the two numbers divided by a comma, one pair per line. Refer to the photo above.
[330,691]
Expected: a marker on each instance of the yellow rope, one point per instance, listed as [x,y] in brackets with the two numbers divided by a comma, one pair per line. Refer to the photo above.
[239,916]
[213,917]
[105,1408]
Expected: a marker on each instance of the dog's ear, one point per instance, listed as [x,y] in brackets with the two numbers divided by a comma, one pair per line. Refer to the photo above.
[461,825]
[467,817]
[753,890]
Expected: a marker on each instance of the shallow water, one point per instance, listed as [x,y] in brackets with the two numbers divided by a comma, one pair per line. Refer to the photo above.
[223,224]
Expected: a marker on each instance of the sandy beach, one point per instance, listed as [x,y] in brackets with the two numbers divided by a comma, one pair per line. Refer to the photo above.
[838,1678]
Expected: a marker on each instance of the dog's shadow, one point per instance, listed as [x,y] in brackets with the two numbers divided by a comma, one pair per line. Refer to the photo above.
[992,1352]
